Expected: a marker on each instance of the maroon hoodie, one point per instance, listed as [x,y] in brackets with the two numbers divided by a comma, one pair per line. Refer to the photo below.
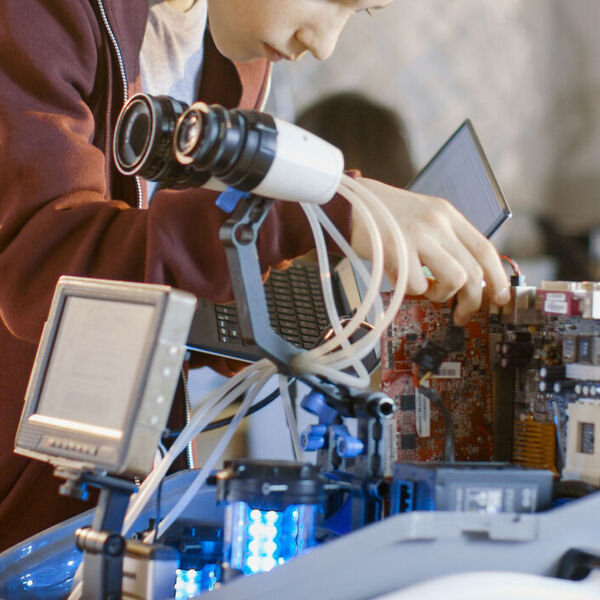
[64,209]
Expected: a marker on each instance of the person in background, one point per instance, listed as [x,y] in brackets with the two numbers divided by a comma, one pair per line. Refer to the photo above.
[371,136]
[66,68]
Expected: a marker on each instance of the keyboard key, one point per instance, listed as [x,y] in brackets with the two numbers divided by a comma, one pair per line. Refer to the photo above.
[311,332]
[225,309]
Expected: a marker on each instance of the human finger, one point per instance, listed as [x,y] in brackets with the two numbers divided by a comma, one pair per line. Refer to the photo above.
[417,283]
[489,261]
[448,272]
[469,295]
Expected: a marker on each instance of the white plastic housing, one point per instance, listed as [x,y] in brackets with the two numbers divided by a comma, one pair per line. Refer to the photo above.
[306,168]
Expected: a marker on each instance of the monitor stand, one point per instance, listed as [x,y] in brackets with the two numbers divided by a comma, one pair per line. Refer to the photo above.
[102,544]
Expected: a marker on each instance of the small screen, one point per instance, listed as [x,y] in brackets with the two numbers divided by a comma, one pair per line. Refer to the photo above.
[93,370]
[461,174]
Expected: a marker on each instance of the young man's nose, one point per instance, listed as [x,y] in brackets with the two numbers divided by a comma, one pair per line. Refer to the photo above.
[321,37]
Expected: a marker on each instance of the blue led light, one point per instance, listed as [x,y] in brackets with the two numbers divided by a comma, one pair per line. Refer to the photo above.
[262,539]
[271,510]
[191,582]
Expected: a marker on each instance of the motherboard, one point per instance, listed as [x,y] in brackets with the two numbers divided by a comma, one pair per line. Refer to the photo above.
[463,382]
[524,387]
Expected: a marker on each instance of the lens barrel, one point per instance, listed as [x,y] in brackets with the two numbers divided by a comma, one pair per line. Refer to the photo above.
[143,141]
[236,146]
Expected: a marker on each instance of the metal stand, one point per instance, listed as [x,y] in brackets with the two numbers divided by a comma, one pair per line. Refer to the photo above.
[353,463]
[102,544]
[239,235]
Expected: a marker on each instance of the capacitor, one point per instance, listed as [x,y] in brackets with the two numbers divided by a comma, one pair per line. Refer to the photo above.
[553,372]
[566,385]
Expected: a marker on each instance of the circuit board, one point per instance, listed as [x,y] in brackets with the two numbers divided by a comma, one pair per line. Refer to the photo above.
[463,382]
[525,387]
[550,347]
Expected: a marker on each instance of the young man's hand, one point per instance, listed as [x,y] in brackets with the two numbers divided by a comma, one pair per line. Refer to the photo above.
[440,237]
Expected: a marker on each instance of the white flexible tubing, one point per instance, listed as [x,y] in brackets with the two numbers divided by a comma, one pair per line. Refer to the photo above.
[373,336]
[362,272]
[216,401]
[214,404]
[374,278]
[218,450]
[308,362]
[320,365]
[324,268]
[376,275]
[397,247]
[362,376]
[361,313]
[145,494]
[338,376]
[139,501]
[289,417]
[345,357]
[357,263]
[372,296]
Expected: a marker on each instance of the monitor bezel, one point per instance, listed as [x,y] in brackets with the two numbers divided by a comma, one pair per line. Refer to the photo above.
[467,125]
[63,442]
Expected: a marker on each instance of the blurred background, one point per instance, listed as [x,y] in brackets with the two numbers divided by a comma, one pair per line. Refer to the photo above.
[526,72]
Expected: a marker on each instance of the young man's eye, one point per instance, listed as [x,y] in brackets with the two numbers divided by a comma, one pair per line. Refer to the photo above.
[369,11]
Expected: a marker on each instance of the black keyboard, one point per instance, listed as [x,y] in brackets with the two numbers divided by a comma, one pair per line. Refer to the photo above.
[295,303]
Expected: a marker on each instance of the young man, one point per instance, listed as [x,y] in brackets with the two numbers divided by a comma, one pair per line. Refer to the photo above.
[65,70]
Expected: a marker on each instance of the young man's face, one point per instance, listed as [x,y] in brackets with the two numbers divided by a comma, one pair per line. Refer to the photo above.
[281,29]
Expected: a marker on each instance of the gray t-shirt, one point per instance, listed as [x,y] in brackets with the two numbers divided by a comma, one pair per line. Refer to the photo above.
[172,52]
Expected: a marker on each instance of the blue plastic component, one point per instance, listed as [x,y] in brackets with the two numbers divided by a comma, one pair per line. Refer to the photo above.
[228,200]
[314,402]
[347,446]
[403,496]
[50,581]
[313,438]
[340,522]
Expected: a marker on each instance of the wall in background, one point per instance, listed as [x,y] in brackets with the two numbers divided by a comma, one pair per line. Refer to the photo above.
[527,72]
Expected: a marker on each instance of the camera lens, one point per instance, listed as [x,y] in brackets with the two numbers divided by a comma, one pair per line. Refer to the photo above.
[236,146]
[190,130]
[143,141]
[133,134]
[136,129]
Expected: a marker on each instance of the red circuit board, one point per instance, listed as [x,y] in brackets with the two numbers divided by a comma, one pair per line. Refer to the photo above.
[464,384]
